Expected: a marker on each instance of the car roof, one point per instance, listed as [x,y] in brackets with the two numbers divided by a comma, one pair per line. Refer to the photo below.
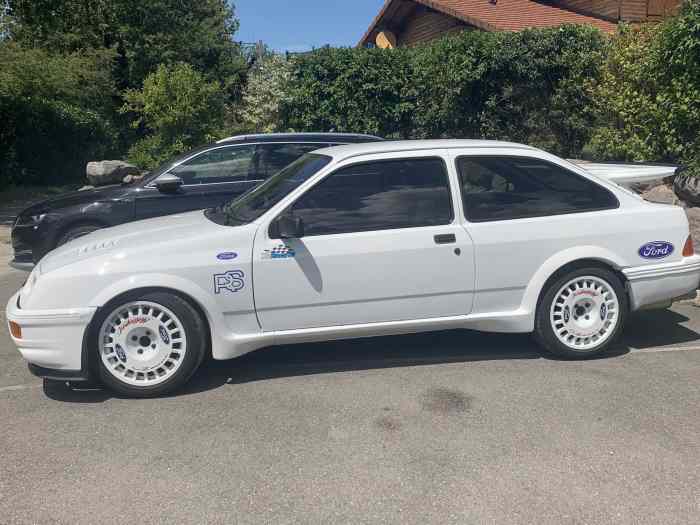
[301,137]
[393,146]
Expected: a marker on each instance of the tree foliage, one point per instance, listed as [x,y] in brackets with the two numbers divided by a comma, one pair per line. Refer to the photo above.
[144,34]
[526,86]
[179,108]
[55,113]
[267,86]
[648,102]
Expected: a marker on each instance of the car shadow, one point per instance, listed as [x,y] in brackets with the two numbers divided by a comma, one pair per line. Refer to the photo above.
[452,346]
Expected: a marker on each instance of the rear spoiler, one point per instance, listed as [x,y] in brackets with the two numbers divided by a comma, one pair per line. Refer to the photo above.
[626,173]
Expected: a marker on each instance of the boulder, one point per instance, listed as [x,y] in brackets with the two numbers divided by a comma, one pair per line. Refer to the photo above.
[109,171]
[660,193]
[687,187]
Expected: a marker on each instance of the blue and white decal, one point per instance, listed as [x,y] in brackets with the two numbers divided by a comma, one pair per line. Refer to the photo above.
[227,256]
[164,334]
[656,250]
[121,354]
[232,281]
[281,251]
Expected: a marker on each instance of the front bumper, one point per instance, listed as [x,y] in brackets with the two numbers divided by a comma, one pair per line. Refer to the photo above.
[660,283]
[52,340]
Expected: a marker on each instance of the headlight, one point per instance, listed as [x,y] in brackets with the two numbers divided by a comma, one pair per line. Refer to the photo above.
[25,220]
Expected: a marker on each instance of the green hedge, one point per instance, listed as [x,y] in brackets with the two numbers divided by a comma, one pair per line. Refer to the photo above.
[527,87]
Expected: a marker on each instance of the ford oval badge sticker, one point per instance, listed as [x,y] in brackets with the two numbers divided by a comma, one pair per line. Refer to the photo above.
[227,256]
[656,250]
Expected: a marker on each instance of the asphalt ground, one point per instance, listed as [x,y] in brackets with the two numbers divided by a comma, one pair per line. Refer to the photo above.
[450,427]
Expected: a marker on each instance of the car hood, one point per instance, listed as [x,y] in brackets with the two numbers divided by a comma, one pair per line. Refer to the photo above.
[75,198]
[142,238]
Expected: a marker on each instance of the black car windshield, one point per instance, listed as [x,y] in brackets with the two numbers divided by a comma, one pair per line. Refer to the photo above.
[256,202]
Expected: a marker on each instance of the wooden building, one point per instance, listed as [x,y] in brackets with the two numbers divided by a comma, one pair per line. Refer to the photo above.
[410,22]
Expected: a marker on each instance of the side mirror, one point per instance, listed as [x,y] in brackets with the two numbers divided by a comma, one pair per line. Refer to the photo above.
[287,227]
[168,183]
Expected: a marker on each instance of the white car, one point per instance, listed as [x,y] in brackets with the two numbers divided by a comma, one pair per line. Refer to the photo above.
[354,241]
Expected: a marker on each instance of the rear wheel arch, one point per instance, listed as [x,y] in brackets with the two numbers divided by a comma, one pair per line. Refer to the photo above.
[581,263]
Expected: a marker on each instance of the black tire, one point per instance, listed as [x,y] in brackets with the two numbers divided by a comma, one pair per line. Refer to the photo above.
[75,232]
[197,343]
[544,331]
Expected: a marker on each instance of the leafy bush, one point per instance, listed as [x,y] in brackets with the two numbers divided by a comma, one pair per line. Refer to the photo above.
[648,102]
[526,86]
[178,108]
[55,114]
[267,85]
[351,90]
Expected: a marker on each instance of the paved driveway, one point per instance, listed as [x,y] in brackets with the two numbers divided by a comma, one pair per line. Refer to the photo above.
[453,427]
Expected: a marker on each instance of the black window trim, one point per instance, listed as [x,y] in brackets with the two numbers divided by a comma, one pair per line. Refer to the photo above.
[378,161]
[545,161]
[152,184]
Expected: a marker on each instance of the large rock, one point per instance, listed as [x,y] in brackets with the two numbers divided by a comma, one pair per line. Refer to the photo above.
[687,187]
[109,171]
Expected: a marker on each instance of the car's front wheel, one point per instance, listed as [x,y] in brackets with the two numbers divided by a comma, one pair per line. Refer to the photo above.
[149,344]
[581,313]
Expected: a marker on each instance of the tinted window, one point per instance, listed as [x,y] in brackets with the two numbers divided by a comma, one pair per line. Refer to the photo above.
[272,158]
[229,164]
[502,188]
[377,196]
[253,204]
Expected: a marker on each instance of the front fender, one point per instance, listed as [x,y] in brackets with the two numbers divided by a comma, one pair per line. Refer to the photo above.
[180,285]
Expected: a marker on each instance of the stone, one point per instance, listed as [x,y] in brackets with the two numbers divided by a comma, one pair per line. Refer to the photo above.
[109,172]
[661,193]
[687,187]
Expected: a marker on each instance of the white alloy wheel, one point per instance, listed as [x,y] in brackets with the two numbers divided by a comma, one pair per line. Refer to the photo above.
[585,313]
[142,343]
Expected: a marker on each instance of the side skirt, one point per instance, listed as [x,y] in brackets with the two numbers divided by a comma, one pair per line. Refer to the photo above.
[519,321]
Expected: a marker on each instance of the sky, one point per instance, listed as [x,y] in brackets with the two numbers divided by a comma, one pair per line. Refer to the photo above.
[300,25]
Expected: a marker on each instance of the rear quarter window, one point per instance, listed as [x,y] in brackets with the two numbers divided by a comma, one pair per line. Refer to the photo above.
[498,188]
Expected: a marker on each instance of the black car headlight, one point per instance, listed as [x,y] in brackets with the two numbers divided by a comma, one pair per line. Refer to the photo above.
[29,219]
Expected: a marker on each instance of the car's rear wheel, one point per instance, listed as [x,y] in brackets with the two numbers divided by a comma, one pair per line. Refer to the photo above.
[581,313]
[149,344]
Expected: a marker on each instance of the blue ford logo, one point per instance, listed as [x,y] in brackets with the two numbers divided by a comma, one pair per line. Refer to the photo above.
[227,256]
[121,354]
[164,334]
[656,250]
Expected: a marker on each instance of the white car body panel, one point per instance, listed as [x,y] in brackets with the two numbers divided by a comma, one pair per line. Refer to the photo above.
[349,285]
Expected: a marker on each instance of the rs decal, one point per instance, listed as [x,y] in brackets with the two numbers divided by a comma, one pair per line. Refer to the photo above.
[229,282]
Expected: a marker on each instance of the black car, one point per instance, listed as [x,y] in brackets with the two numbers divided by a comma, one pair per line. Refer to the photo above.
[206,177]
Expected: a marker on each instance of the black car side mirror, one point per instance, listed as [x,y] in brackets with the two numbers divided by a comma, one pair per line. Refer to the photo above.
[287,227]
[168,183]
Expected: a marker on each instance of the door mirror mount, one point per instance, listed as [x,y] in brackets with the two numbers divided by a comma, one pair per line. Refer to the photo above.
[168,183]
[287,227]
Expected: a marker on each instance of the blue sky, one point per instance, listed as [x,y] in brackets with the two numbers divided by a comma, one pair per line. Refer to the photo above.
[299,25]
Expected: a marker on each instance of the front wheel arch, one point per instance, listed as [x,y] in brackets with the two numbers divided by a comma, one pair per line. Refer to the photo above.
[89,356]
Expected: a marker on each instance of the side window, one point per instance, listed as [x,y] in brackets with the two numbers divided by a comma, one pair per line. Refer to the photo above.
[229,164]
[378,196]
[271,158]
[503,188]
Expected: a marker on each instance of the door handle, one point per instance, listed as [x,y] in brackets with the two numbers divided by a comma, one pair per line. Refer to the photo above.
[447,238]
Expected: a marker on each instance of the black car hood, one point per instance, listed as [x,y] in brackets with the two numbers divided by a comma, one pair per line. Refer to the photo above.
[75,198]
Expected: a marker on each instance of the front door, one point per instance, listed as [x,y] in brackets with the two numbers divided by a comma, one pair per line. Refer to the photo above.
[381,244]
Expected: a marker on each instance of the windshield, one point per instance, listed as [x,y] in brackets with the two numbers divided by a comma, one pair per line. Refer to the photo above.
[253,204]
